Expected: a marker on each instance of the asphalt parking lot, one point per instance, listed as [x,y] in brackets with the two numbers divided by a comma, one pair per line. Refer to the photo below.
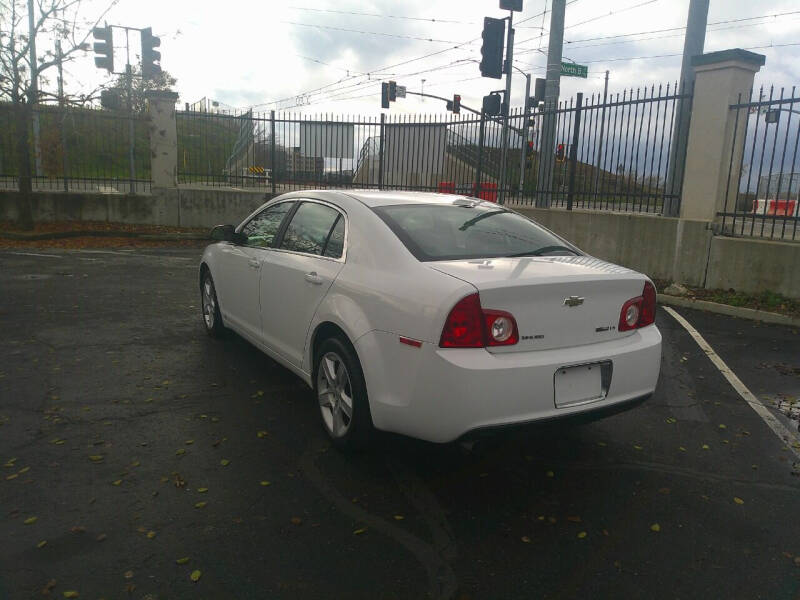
[141,459]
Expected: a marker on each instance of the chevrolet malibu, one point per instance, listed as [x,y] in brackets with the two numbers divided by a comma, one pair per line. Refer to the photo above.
[431,315]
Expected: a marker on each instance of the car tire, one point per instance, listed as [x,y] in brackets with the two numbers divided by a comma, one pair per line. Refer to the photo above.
[212,318]
[340,388]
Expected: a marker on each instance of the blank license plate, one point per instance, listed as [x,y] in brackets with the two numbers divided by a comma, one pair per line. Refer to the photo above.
[576,385]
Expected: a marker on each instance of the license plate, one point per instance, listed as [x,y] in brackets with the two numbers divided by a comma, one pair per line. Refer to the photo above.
[578,385]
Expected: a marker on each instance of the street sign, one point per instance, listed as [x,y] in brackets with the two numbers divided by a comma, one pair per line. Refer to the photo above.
[574,70]
[401,91]
[511,5]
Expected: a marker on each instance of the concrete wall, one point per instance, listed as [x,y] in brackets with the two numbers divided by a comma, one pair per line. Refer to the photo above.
[184,207]
[754,266]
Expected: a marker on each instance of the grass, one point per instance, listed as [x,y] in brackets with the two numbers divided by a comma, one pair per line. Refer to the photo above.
[768,301]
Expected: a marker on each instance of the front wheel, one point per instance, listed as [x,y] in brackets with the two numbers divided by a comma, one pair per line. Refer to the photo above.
[212,319]
[342,395]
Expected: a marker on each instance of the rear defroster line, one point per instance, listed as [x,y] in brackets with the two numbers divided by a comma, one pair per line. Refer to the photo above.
[789,438]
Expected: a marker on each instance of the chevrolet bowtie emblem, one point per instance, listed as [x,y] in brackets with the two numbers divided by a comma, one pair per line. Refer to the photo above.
[573,301]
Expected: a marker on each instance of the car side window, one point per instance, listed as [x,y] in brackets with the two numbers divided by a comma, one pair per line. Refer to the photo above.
[310,229]
[262,229]
[335,245]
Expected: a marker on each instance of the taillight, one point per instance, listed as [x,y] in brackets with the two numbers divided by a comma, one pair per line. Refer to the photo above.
[640,311]
[470,326]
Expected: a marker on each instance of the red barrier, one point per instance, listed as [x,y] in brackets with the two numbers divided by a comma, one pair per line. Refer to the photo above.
[488,191]
[447,187]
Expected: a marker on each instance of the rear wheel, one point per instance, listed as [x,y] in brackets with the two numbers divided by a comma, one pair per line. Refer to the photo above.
[212,319]
[342,395]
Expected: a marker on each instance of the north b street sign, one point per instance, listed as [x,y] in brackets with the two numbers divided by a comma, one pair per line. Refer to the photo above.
[574,70]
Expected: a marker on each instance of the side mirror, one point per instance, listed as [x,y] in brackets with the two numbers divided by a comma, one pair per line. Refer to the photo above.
[227,233]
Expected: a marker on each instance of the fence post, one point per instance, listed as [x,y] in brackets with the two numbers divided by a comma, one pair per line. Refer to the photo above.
[163,132]
[720,78]
[380,152]
[272,148]
[478,173]
[573,149]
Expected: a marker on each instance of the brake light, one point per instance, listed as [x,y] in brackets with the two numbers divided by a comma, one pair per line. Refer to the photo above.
[640,311]
[470,326]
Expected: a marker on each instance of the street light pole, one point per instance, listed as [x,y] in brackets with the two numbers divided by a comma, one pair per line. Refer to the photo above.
[506,105]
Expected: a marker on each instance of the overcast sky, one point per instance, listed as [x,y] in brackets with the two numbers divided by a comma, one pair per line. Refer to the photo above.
[245,53]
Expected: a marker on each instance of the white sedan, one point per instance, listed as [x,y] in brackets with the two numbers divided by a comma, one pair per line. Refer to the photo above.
[431,315]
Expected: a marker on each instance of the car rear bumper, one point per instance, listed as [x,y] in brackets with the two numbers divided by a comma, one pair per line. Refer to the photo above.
[441,394]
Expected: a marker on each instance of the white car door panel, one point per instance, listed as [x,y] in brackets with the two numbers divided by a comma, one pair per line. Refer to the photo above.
[296,276]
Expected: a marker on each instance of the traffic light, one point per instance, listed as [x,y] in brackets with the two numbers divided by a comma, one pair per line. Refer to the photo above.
[560,154]
[104,48]
[150,56]
[456,103]
[492,105]
[392,91]
[384,95]
[511,5]
[492,49]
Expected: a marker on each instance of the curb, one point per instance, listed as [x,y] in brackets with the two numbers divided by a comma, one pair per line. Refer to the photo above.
[102,233]
[731,311]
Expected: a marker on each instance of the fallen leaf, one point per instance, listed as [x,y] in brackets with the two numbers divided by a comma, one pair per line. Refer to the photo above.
[797,561]
[189,442]
[265,483]
[360,531]
[550,474]
[182,561]
[23,470]
[151,535]
[664,490]
[655,527]
[637,447]
[30,520]
[582,535]
[706,447]
[96,457]
[77,529]
[42,544]
[738,500]
[135,463]
[681,448]
[671,420]
[398,517]
[262,434]
[195,576]
[180,451]
[526,539]
[200,504]
[224,462]
[721,426]
[202,490]
[602,444]
[117,482]
[71,594]
[128,574]
[12,476]
[101,537]
[296,520]
[574,519]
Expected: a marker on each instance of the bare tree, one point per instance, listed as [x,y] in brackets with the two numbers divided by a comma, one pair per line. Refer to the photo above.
[20,75]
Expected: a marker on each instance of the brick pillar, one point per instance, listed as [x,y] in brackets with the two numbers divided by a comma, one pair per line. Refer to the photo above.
[720,78]
[163,139]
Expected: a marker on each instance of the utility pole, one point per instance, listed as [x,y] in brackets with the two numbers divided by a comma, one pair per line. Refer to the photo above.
[526,116]
[63,114]
[131,140]
[693,45]
[554,49]
[602,129]
[34,96]
[509,69]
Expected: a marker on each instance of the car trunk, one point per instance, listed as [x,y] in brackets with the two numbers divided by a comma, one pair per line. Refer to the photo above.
[558,301]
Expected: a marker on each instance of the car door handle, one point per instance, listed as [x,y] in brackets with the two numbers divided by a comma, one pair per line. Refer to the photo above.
[313,278]
[254,264]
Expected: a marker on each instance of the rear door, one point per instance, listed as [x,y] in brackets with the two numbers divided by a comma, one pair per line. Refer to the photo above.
[298,273]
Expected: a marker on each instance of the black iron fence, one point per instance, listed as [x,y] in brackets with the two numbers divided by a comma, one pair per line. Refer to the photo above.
[763,188]
[77,149]
[616,152]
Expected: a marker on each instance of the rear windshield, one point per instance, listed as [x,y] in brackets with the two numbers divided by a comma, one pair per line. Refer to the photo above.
[446,232]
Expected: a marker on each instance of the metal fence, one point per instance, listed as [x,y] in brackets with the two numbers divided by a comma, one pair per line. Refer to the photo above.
[616,152]
[762,196]
[79,149]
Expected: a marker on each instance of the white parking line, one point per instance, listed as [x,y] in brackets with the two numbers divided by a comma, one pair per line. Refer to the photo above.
[792,440]
[35,254]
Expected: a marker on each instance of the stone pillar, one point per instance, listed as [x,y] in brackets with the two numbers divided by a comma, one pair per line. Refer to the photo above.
[163,139]
[719,79]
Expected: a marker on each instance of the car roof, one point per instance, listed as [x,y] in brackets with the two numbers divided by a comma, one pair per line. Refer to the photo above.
[373,198]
